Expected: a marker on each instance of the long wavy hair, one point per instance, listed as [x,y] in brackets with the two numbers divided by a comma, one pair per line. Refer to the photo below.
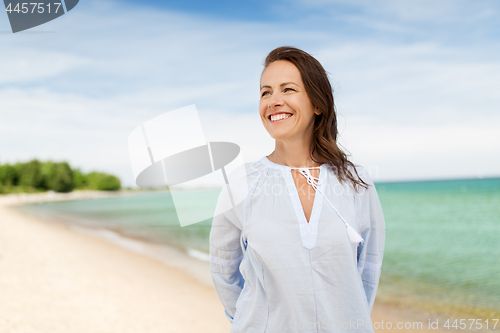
[323,146]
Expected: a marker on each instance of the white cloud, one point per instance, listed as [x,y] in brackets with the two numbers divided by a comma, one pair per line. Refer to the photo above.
[416,151]
[32,64]
[422,83]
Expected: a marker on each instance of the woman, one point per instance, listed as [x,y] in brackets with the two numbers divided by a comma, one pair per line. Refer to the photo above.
[303,251]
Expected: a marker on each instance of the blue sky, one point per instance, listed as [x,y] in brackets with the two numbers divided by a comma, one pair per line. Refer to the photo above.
[415,82]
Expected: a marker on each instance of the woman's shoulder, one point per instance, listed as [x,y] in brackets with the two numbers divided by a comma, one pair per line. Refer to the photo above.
[356,168]
[361,171]
[247,171]
[358,171]
[254,167]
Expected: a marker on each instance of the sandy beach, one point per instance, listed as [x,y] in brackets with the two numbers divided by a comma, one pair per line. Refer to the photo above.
[54,278]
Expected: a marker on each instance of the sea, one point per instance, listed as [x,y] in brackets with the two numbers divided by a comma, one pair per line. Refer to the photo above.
[442,250]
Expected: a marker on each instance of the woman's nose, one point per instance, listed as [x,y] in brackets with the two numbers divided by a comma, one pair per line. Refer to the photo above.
[275,101]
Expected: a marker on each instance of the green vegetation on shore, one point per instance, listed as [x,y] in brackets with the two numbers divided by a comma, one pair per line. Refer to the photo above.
[36,176]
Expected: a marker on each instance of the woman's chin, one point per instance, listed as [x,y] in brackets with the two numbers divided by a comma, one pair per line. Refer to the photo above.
[280,136]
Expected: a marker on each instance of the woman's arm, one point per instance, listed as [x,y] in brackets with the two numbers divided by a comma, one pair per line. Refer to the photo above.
[225,257]
[372,229]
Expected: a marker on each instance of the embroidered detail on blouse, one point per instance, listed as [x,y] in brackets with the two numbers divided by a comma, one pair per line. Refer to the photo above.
[369,266]
[313,181]
[372,267]
[225,262]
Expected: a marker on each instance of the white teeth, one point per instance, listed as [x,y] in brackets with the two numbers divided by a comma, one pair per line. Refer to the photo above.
[280,116]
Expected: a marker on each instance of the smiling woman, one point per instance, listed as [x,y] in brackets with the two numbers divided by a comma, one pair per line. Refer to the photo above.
[304,249]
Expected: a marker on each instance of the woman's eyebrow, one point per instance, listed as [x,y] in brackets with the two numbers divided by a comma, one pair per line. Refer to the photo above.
[281,85]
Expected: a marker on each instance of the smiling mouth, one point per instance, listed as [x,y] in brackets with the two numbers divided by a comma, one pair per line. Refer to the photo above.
[279,117]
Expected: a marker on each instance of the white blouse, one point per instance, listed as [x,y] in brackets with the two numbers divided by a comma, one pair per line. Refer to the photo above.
[275,272]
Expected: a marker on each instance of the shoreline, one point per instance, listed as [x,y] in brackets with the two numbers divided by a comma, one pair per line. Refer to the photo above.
[14,199]
[116,283]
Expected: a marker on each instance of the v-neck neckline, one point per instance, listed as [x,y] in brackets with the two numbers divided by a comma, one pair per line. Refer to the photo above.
[314,200]
[308,230]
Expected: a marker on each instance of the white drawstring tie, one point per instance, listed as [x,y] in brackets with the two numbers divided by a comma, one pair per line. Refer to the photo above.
[354,236]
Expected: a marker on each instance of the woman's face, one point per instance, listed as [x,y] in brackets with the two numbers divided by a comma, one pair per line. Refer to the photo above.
[283,94]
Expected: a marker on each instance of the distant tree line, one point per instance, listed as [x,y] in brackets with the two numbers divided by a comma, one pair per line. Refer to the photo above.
[36,176]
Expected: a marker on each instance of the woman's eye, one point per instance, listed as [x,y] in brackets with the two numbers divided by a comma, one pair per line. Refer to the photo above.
[264,93]
[286,89]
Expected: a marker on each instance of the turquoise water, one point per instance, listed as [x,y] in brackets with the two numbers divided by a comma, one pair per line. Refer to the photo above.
[442,245]
[442,238]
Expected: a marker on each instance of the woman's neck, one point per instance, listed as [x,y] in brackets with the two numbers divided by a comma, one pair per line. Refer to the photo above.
[292,157]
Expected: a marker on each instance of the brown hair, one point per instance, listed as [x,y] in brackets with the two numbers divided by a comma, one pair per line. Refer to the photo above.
[324,148]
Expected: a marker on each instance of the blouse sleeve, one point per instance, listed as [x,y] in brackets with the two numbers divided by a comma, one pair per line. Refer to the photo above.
[372,229]
[225,257]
